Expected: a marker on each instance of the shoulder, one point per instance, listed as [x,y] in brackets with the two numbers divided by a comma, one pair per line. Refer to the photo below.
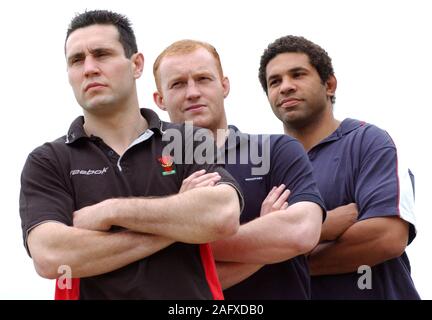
[48,155]
[366,136]
[48,149]
[286,145]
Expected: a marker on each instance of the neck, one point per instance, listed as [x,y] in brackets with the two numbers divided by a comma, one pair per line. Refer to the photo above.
[117,129]
[220,133]
[312,133]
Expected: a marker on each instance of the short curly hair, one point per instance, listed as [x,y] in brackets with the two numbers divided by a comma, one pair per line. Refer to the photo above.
[318,57]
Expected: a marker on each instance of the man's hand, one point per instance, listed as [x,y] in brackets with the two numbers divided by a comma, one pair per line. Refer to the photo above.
[199,179]
[275,200]
[338,221]
[94,217]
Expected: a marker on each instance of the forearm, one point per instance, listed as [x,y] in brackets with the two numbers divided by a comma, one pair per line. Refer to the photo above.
[275,237]
[338,221]
[339,257]
[196,216]
[88,253]
[231,273]
[368,242]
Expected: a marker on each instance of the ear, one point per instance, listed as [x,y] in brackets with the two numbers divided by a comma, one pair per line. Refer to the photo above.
[138,64]
[226,86]
[158,99]
[331,85]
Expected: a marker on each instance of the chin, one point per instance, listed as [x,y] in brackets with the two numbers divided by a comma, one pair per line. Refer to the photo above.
[199,122]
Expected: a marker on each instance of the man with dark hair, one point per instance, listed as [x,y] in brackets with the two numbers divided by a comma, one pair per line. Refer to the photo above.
[265,259]
[102,203]
[369,192]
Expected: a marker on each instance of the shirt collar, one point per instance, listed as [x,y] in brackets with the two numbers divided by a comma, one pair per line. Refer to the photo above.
[234,132]
[345,127]
[76,129]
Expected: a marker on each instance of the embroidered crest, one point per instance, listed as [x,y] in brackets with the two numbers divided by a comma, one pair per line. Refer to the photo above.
[167,163]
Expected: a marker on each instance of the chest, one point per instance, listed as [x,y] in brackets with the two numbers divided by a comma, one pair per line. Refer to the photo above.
[336,167]
[98,173]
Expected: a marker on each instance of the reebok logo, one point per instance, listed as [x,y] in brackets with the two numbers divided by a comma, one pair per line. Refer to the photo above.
[89,172]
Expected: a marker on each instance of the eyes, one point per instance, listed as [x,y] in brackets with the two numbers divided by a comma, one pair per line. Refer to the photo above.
[79,58]
[178,84]
[277,80]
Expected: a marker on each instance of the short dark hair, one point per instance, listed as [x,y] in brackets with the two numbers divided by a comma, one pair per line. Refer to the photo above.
[318,57]
[105,17]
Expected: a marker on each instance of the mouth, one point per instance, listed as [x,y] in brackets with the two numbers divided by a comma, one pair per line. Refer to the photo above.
[93,85]
[289,103]
[195,107]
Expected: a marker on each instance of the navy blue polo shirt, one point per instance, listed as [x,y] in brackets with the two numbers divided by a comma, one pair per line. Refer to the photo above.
[286,163]
[76,170]
[359,163]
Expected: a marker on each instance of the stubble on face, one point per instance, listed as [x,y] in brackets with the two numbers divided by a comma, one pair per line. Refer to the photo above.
[295,91]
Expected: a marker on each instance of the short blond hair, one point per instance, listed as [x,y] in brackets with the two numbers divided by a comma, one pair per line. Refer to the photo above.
[184,47]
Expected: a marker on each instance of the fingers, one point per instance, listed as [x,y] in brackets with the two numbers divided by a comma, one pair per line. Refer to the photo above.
[206,177]
[200,179]
[275,193]
[194,175]
[275,200]
[281,200]
[209,181]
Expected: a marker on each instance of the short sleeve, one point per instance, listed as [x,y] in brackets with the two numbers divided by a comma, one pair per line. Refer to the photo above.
[384,186]
[43,195]
[290,165]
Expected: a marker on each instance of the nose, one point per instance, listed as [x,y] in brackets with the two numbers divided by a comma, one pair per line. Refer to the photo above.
[192,91]
[287,86]
[90,67]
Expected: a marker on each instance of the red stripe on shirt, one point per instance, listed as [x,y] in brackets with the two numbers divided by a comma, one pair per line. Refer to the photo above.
[71,293]
[210,271]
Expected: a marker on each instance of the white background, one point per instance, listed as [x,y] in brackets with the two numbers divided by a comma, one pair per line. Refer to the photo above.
[381,52]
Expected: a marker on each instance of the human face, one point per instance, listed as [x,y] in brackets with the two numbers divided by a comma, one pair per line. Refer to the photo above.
[192,89]
[295,90]
[101,76]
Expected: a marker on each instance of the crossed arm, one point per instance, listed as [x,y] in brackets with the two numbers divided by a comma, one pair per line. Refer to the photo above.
[367,242]
[87,252]
[89,249]
[279,234]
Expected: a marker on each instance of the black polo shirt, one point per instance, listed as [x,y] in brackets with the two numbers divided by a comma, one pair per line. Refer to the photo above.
[283,161]
[75,171]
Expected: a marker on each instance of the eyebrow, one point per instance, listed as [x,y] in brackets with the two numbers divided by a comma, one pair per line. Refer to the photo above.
[95,51]
[293,70]
[198,74]
[79,55]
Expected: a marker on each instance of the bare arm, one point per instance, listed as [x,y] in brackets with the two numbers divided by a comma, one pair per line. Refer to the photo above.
[367,242]
[338,221]
[86,252]
[231,273]
[196,216]
[274,237]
